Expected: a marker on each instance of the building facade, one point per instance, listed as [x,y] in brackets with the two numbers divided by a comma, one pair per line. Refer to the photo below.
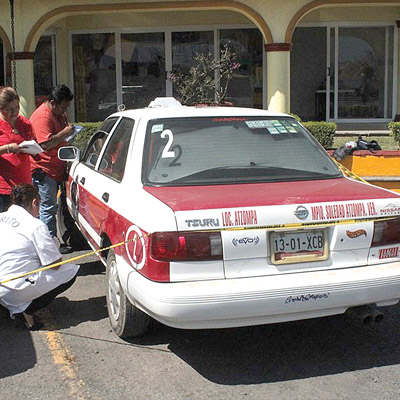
[333,60]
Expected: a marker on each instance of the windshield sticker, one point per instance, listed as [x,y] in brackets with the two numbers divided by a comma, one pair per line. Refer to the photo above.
[289,127]
[258,124]
[278,125]
[273,131]
[157,128]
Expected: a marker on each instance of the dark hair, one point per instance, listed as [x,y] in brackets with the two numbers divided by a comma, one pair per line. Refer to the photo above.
[22,195]
[60,93]
[7,95]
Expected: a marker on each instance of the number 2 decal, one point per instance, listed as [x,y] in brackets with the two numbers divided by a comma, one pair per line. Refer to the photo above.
[169,149]
[167,153]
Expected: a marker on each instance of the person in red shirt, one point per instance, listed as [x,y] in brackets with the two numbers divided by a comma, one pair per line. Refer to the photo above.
[51,128]
[14,129]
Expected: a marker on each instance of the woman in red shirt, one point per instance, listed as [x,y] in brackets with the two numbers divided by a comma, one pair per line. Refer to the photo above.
[14,129]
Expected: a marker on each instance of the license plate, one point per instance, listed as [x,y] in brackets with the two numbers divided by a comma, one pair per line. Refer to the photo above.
[298,246]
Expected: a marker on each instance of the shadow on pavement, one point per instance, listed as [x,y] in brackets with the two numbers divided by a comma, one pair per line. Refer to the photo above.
[68,313]
[17,352]
[284,352]
[90,268]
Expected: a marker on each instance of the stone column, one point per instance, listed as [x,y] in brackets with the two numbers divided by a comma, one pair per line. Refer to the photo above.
[25,80]
[278,76]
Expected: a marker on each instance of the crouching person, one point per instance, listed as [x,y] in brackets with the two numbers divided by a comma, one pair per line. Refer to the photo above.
[26,245]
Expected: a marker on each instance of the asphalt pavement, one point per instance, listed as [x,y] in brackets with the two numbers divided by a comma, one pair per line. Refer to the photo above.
[77,356]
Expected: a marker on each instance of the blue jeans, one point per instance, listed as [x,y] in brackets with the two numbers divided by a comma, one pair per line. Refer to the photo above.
[47,188]
[4,202]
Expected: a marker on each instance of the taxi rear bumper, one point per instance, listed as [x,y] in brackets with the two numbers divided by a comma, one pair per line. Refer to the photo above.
[259,300]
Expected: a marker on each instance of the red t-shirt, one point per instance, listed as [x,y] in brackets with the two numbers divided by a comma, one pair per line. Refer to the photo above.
[14,168]
[45,124]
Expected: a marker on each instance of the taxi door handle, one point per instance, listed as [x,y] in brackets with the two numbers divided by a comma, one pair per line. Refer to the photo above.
[83,180]
[105,197]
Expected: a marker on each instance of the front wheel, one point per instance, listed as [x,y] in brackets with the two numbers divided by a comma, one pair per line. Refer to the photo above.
[126,320]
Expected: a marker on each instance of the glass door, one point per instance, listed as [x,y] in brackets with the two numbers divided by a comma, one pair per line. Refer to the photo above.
[143,68]
[342,73]
[44,64]
[308,78]
[362,65]
[185,47]
[245,88]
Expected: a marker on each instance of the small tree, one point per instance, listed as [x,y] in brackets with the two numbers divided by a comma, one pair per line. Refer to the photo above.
[208,81]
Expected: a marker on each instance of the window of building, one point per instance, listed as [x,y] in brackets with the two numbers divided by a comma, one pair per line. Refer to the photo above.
[245,89]
[44,68]
[143,68]
[94,69]
[186,46]
[343,73]
[110,69]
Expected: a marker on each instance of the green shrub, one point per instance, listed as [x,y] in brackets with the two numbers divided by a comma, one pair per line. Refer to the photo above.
[89,128]
[295,116]
[324,132]
[394,128]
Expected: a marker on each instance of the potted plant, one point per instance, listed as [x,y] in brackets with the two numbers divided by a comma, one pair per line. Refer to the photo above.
[207,82]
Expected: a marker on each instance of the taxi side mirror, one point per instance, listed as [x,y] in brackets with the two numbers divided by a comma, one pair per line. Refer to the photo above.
[69,153]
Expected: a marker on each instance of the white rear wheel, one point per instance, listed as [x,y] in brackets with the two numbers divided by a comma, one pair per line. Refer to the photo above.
[126,320]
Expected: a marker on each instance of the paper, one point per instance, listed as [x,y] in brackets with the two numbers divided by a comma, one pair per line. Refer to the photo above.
[30,147]
[78,128]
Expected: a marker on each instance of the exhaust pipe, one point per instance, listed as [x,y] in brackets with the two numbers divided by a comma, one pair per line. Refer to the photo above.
[378,316]
[366,314]
[362,313]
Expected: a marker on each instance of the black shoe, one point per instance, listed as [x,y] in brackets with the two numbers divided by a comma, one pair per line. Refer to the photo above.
[20,323]
[65,249]
[35,327]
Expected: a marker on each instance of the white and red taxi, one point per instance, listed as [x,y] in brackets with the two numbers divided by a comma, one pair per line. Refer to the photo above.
[227,217]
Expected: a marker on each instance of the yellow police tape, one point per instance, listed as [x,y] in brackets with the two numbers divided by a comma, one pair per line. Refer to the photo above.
[57,264]
[266,227]
[277,227]
[349,173]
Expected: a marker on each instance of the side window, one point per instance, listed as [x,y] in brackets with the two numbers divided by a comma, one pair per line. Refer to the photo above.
[93,148]
[114,157]
[108,124]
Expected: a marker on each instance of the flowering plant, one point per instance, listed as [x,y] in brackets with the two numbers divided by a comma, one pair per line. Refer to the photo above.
[208,80]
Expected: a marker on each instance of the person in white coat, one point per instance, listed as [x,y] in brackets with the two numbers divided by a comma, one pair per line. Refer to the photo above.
[26,245]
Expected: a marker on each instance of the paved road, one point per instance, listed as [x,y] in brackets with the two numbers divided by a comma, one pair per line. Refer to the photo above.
[79,357]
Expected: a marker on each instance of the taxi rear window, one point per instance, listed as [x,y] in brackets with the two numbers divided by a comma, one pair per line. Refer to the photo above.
[229,150]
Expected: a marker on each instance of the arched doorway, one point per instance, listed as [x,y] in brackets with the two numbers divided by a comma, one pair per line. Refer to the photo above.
[128,60]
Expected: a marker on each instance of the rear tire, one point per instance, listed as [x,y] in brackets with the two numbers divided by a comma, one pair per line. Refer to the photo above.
[126,320]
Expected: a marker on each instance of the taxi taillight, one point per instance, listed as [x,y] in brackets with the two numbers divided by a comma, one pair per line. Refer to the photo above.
[386,232]
[186,246]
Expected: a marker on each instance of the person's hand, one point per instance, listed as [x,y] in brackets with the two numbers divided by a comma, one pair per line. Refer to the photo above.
[13,148]
[69,129]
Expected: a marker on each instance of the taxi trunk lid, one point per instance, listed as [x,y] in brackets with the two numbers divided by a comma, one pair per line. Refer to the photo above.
[281,227]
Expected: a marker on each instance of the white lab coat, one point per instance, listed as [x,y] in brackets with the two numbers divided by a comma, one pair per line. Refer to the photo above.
[26,245]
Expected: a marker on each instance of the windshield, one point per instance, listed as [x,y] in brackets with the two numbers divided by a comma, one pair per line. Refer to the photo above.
[227,150]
